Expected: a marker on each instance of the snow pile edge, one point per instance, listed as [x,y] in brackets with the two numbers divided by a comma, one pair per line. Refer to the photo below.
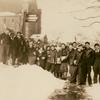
[27,83]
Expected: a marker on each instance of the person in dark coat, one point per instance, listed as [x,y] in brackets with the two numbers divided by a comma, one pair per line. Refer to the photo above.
[5,46]
[25,53]
[96,67]
[24,49]
[42,56]
[20,42]
[73,67]
[51,59]
[47,56]
[32,56]
[37,55]
[58,63]
[13,48]
[87,60]
[77,72]
[64,63]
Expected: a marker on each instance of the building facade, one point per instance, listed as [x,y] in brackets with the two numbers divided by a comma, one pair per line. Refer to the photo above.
[26,19]
[11,21]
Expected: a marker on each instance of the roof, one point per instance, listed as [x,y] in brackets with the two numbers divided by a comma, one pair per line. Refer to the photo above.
[7,14]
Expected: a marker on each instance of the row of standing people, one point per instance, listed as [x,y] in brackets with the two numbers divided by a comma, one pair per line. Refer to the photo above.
[77,60]
[80,59]
[16,50]
[12,48]
[55,59]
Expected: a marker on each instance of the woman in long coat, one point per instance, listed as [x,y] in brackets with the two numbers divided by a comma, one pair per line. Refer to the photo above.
[32,56]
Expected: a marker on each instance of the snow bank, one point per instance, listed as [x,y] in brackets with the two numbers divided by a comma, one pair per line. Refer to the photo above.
[26,83]
[94,91]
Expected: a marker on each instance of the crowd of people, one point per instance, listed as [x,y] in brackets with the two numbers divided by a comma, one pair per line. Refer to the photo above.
[59,59]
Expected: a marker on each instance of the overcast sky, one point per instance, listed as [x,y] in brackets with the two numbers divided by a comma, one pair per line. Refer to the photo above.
[58,18]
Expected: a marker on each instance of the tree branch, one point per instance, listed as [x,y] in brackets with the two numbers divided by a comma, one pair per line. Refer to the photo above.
[96,22]
[92,7]
[87,8]
[92,17]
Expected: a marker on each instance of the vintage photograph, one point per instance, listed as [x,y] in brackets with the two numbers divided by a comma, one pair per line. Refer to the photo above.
[49,49]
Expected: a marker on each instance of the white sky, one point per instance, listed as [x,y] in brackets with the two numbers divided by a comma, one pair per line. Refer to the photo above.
[58,21]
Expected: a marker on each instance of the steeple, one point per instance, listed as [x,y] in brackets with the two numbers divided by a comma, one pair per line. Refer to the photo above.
[32,7]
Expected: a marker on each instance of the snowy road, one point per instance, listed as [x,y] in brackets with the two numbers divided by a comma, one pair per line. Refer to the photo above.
[75,92]
[33,83]
[71,92]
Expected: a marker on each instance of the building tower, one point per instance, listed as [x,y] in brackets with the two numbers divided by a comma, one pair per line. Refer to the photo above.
[32,19]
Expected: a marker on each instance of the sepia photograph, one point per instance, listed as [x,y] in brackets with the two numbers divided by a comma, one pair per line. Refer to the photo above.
[49,49]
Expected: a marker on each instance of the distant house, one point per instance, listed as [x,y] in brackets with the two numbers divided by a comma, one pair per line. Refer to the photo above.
[21,16]
[10,20]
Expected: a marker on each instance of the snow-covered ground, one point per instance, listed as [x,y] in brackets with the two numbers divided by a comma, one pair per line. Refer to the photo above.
[33,83]
[94,91]
[27,83]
